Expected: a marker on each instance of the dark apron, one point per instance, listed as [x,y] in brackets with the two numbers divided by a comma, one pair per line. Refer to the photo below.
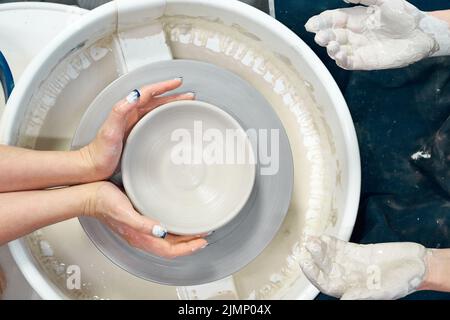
[397,113]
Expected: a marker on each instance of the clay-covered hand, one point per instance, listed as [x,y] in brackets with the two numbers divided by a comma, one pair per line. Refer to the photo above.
[104,152]
[110,205]
[352,271]
[381,34]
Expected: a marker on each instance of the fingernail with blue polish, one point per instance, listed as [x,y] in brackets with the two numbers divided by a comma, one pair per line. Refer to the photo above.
[134,96]
[159,232]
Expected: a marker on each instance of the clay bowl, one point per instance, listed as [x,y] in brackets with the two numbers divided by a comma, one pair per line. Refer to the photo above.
[190,166]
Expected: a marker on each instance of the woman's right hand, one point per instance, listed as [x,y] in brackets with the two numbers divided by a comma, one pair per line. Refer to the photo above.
[380,34]
[110,205]
[103,154]
[355,271]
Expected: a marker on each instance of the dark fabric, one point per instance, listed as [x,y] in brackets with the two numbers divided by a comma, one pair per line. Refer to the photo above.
[396,113]
[434,157]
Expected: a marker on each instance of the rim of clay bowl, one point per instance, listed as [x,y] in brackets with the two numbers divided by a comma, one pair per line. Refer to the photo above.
[141,125]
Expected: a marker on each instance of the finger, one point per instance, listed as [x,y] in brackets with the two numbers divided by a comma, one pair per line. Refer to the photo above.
[178,97]
[187,248]
[114,124]
[168,250]
[321,254]
[343,48]
[342,57]
[354,63]
[336,252]
[323,37]
[333,48]
[308,266]
[119,113]
[144,225]
[146,94]
[340,36]
[312,271]
[315,248]
[123,107]
[174,239]
[156,102]
[327,20]
[357,17]
[331,244]
[154,90]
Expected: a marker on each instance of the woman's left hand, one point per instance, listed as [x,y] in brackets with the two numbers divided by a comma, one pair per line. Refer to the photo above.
[102,155]
[111,206]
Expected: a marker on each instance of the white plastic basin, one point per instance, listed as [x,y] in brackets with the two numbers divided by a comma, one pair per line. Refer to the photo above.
[46,106]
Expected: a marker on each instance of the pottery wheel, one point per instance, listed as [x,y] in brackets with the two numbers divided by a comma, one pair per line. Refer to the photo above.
[245,237]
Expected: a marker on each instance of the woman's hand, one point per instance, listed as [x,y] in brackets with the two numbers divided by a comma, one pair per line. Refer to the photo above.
[24,169]
[103,154]
[376,271]
[27,211]
[382,34]
[109,204]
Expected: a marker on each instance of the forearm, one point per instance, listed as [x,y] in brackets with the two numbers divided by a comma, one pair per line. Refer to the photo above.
[23,169]
[443,15]
[437,277]
[437,24]
[26,211]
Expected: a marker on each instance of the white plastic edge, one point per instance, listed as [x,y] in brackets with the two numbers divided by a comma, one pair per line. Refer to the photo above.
[134,12]
[32,274]
[39,68]
[46,6]
[352,151]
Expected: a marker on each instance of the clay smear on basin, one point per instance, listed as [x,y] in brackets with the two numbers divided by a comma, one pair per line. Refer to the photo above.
[276,269]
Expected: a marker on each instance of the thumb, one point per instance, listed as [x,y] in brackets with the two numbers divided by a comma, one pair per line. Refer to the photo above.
[117,118]
[147,226]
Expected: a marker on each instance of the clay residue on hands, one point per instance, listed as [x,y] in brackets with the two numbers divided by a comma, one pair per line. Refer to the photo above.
[387,35]
[354,271]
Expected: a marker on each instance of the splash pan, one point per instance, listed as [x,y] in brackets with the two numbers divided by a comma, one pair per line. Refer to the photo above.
[122,37]
[240,241]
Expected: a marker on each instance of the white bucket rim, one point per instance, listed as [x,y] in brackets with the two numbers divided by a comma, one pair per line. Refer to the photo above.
[18,248]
